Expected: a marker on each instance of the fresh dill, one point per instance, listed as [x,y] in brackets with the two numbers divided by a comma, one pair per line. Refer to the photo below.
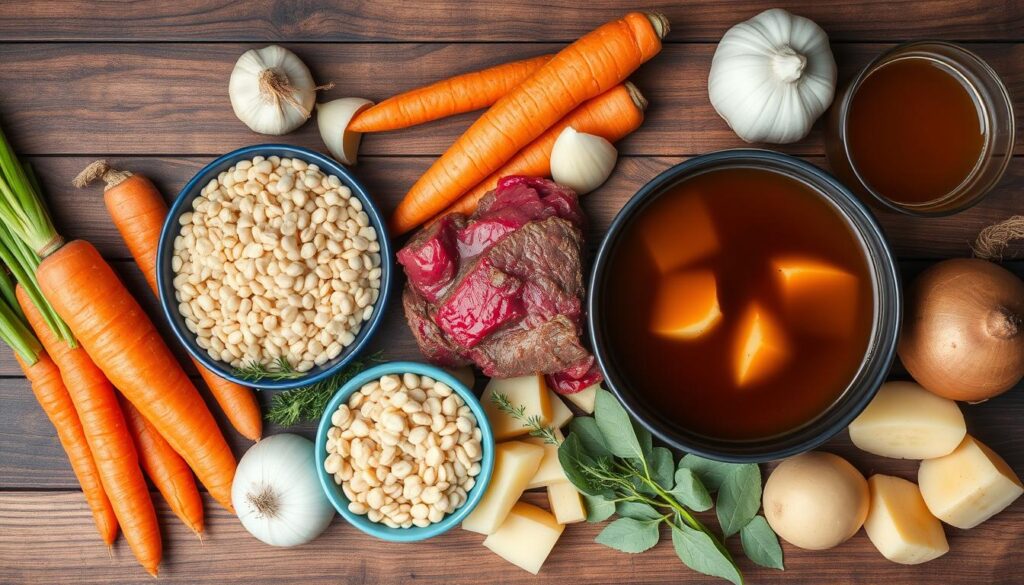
[308,402]
[533,422]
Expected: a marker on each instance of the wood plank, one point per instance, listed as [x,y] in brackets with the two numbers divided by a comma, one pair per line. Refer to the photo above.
[525,20]
[172,98]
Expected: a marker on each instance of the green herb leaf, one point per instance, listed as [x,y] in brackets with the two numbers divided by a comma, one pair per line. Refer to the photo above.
[629,535]
[690,492]
[711,473]
[537,428]
[309,402]
[643,436]
[598,508]
[739,498]
[575,463]
[663,467]
[591,439]
[616,427]
[637,511]
[760,544]
[698,551]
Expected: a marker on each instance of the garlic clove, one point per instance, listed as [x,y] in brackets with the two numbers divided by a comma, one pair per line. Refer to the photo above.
[582,161]
[333,118]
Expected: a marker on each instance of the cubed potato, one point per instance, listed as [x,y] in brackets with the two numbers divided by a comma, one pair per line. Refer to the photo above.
[686,305]
[566,503]
[761,347]
[515,463]
[819,297]
[526,537]
[550,470]
[464,374]
[530,392]
[905,421]
[560,413]
[584,399]
[899,523]
[968,486]
[685,215]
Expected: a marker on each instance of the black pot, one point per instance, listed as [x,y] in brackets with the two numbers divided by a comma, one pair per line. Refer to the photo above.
[884,332]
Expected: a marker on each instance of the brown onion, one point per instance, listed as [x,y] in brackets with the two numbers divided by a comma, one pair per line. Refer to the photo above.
[963,335]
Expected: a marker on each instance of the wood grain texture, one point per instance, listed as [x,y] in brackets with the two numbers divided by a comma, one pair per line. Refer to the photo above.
[172,98]
[521,20]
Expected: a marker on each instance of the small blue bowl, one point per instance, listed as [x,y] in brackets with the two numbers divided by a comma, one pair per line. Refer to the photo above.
[165,274]
[337,496]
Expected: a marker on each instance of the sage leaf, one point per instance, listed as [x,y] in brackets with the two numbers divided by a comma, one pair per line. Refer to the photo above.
[598,508]
[590,436]
[760,543]
[711,473]
[643,436]
[637,511]
[616,427]
[574,462]
[698,551]
[629,535]
[690,492]
[662,467]
[739,498]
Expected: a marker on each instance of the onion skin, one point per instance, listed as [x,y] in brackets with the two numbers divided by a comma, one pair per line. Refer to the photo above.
[963,335]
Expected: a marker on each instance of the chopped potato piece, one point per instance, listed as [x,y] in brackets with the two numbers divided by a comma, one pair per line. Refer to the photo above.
[968,486]
[526,537]
[464,374]
[761,347]
[685,215]
[529,392]
[515,463]
[560,413]
[584,399]
[566,503]
[550,470]
[899,523]
[905,421]
[819,298]
[686,305]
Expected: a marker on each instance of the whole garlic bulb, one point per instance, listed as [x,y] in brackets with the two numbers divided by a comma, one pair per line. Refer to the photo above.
[271,90]
[581,161]
[772,76]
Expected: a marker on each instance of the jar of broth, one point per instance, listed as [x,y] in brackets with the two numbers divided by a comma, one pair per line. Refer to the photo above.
[925,129]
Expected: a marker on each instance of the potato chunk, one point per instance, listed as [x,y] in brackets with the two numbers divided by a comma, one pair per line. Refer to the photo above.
[560,413]
[526,537]
[530,392]
[899,523]
[905,421]
[968,486]
[550,470]
[686,305]
[584,399]
[515,463]
[761,347]
[687,216]
[566,503]
[819,298]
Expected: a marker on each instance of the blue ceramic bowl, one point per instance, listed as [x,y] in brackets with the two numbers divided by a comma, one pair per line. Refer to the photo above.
[165,274]
[337,496]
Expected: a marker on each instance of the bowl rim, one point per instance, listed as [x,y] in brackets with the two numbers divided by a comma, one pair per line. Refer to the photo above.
[882,344]
[337,496]
[169,231]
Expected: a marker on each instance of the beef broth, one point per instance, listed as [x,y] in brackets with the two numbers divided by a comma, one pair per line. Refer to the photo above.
[742,304]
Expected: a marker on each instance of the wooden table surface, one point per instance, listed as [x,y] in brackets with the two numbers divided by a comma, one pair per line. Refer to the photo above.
[144,83]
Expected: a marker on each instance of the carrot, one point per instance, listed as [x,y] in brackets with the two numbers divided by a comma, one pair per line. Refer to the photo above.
[139,211]
[592,65]
[49,389]
[611,115]
[169,472]
[455,95]
[107,435]
[125,344]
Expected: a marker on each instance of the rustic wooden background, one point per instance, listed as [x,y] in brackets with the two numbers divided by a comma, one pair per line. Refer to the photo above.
[144,83]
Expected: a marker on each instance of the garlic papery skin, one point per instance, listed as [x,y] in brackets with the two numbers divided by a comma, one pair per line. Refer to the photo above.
[333,119]
[581,161]
[772,76]
[271,90]
[276,492]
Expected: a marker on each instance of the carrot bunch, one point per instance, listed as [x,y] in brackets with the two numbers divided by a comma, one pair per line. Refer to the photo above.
[531,102]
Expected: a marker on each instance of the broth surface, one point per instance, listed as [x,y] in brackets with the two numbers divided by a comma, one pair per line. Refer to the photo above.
[757,217]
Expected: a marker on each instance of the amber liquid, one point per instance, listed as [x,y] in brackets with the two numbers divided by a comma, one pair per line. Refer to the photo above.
[758,216]
[915,130]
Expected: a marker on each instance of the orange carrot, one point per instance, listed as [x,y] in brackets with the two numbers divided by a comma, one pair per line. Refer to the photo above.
[56,402]
[139,211]
[455,95]
[107,435]
[585,69]
[163,465]
[125,344]
[611,115]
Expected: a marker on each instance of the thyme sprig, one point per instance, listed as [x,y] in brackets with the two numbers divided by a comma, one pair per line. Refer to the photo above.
[533,422]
